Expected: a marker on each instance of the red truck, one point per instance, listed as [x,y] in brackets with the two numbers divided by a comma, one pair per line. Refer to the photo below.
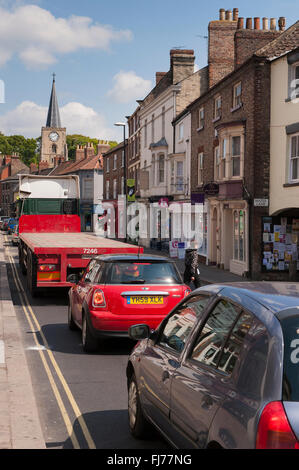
[51,245]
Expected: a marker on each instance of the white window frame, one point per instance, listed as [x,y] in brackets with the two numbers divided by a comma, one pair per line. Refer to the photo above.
[115,161]
[217,108]
[107,189]
[181,132]
[233,158]
[114,188]
[201,118]
[237,97]
[223,158]
[107,164]
[200,165]
[217,163]
[294,82]
[293,158]
[161,158]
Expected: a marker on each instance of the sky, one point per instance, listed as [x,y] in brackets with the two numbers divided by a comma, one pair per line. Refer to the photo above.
[105,55]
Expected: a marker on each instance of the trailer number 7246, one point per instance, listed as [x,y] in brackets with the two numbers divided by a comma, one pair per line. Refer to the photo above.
[90,251]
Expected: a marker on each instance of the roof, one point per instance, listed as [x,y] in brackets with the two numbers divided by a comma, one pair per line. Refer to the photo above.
[286,42]
[53,119]
[90,163]
[275,296]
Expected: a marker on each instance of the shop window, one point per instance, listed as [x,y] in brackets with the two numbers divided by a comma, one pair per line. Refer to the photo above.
[239,235]
[204,247]
[294,158]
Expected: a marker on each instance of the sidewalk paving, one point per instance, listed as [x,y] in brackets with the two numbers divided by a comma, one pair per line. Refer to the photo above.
[19,421]
[208,274]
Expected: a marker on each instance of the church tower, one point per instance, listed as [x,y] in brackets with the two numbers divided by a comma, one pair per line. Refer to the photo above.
[53,143]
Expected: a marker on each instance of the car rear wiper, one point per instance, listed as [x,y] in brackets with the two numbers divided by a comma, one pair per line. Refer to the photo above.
[136,281]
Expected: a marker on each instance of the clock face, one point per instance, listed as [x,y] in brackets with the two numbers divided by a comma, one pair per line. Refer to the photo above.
[54,136]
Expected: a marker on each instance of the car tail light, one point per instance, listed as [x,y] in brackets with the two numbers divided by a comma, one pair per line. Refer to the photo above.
[98,299]
[187,292]
[48,267]
[274,430]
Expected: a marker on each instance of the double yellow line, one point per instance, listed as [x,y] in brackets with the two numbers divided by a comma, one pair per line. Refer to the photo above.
[34,325]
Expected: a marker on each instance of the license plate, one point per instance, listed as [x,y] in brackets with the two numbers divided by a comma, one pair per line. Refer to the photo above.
[145,300]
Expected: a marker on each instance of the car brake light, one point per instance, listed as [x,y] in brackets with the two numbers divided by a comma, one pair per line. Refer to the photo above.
[98,299]
[48,267]
[187,292]
[274,430]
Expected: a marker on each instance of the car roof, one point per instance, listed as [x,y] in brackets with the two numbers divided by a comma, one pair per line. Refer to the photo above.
[133,257]
[275,296]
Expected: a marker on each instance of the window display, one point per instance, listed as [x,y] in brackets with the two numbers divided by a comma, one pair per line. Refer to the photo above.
[280,237]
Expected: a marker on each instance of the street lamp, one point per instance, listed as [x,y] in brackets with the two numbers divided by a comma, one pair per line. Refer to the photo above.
[122,124]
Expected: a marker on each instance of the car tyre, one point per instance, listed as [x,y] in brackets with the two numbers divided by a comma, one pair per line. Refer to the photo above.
[71,324]
[139,426]
[89,342]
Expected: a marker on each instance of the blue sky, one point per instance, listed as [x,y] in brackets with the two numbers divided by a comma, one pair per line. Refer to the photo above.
[103,61]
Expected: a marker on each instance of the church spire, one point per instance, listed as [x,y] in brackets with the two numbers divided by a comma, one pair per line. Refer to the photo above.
[53,119]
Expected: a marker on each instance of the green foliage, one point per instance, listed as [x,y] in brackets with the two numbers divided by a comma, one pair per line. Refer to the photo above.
[26,148]
[77,139]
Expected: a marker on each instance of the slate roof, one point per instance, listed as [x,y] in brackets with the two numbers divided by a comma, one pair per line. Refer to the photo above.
[286,42]
[90,163]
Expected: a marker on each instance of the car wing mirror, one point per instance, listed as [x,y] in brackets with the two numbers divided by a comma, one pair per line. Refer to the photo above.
[138,332]
[73,278]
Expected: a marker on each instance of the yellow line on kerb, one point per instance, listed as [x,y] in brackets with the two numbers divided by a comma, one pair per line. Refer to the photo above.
[27,307]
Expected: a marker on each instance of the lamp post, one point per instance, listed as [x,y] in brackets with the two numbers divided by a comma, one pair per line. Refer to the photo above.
[123,125]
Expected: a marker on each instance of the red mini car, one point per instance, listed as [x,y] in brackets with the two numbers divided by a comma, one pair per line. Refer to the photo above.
[118,291]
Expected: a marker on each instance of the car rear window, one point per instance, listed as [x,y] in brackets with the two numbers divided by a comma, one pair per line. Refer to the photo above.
[143,272]
[290,328]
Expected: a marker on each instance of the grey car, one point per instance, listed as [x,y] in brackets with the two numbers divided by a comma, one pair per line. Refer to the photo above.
[221,370]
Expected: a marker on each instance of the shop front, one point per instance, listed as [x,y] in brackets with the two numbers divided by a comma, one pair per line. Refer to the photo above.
[280,246]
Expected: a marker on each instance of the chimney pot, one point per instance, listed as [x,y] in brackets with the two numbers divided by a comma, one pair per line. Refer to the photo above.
[240,23]
[248,23]
[282,23]
[256,23]
[265,24]
[273,24]
[228,15]
[222,14]
[235,14]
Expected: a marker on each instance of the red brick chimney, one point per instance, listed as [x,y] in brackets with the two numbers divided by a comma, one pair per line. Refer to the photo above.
[103,147]
[89,150]
[79,153]
[250,39]
[221,57]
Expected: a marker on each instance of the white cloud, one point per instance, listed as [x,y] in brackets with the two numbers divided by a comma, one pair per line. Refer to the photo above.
[38,38]
[28,118]
[128,87]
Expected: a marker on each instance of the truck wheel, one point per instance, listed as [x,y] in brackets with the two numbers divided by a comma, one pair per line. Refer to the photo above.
[21,262]
[72,325]
[89,342]
[139,426]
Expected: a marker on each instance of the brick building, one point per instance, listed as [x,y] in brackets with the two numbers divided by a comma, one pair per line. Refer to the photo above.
[114,184]
[10,167]
[230,142]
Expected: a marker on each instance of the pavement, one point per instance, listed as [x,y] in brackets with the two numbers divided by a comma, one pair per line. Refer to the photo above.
[20,427]
[208,274]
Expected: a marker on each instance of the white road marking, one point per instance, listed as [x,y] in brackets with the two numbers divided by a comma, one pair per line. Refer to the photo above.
[37,348]
[2,353]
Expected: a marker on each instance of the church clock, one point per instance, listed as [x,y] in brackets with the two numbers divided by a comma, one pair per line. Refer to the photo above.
[53,136]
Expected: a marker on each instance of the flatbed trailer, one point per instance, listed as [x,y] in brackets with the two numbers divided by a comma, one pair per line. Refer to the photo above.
[49,258]
[51,244]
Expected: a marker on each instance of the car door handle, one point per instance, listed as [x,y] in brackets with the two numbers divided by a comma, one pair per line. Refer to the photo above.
[165,375]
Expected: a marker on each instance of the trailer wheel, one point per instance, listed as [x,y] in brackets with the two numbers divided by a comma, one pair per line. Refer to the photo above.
[31,274]
[89,342]
[21,261]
